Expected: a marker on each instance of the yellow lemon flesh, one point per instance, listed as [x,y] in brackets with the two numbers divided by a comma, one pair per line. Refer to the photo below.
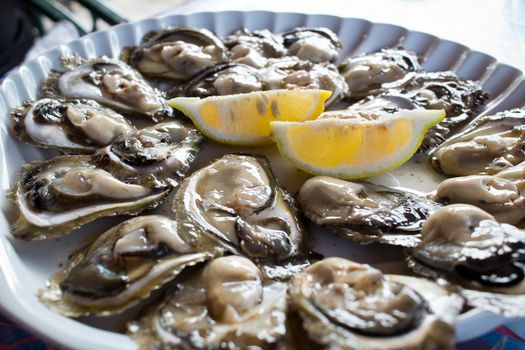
[354,148]
[244,119]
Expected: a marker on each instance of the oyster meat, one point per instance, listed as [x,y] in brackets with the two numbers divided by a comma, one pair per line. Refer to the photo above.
[124,265]
[237,201]
[469,248]
[254,48]
[225,305]
[365,74]
[71,126]
[365,212]
[501,194]
[488,145]
[343,305]
[155,157]
[56,196]
[461,99]
[313,44]
[177,53]
[111,83]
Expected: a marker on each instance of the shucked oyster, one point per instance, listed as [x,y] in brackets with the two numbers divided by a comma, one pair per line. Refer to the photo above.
[177,53]
[110,82]
[124,265]
[225,305]
[71,126]
[365,74]
[343,305]
[468,247]
[254,48]
[365,212]
[313,44]
[156,156]
[501,194]
[237,201]
[461,100]
[489,144]
[59,195]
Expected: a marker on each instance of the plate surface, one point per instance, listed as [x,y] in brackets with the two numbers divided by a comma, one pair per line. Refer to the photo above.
[24,267]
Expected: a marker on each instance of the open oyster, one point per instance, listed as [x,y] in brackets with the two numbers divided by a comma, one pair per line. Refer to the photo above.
[124,265]
[489,144]
[254,48]
[155,157]
[461,99]
[177,53]
[237,201]
[501,194]
[56,196]
[469,248]
[365,212]
[225,305]
[365,74]
[344,305]
[313,44]
[110,82]
[71,126]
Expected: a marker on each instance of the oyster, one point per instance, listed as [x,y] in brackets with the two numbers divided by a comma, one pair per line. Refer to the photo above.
[254,48]
[365,212]
[110,82]
[501,194]
[155,157]
[461,100]
[237,201]
[313,44]
[71,126]
[365,74]
[489,144]
[177,53]
[344,305]
[469,248]
[56,196]
[124,265]
[225,305]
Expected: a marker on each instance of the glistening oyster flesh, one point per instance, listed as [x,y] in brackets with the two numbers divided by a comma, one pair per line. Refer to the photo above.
[254,48]
[469,248]
[226,305]
[312,44]
[56,196]
[177,53]
[156,156]
[71,126]
[489,144]
[111,83]
[365,212]
[123,266]
[237,201]
[342,305]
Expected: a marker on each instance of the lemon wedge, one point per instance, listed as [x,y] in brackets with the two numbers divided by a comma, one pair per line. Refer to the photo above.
[244,119]
[354,148]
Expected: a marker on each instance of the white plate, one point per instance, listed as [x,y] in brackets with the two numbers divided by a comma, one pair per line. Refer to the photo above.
[24,267]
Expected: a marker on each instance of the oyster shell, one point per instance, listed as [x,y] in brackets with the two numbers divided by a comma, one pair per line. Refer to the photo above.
[312,44]
[71,126]
[226,305]
[461,99]
[501,194]
[469,248]
[237,201]
[155,157]
[111,83]
[254,48]
[177,53]
[365,74]
[344,305]
[365,212]
[56,196]
[123,266]
[488,145]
